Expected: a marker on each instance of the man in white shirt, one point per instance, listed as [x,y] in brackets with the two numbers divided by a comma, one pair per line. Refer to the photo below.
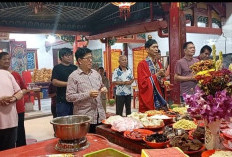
[123,78]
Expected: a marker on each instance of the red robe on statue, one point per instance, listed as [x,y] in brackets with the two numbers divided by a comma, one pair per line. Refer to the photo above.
[146,94]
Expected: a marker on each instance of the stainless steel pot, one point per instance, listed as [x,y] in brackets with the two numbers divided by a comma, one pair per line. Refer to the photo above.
[71,127]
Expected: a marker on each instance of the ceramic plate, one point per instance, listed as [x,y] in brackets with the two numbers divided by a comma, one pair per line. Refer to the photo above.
[192,152]
[143,133]
[104,122]
[207,153]
[227,145]
[154,127]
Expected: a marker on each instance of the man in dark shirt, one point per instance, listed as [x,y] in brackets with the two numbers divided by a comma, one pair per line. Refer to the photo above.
[183,73]
[52,95]
[205,53]
[60,74]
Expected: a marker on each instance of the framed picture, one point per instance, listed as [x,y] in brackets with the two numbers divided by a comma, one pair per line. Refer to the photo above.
[97,58]
[32,61]
[18,52]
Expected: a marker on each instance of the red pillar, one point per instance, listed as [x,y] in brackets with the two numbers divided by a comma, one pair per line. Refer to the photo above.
[125,49]
[75,44]
[177,36]
[109,72]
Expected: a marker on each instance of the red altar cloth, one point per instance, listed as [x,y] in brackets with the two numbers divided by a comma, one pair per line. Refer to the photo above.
[47,147]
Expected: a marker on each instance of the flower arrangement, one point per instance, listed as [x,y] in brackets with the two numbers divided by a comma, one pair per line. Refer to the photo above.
[213,94]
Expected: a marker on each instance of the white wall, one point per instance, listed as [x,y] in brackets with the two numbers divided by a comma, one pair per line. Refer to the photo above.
[45,59]
[200,40]
[95,44]
[227,28]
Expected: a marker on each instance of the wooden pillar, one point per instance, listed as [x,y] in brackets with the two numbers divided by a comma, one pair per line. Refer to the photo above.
[125,49]
[109,71]
[209,17]
[195,17]
[76,43]
[151,11]
[177,36]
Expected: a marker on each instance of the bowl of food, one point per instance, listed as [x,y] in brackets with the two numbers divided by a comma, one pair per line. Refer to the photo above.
[156,140]
[71,127]
[137,134]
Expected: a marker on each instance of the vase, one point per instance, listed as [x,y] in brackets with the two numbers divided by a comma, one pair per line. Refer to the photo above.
[212,138]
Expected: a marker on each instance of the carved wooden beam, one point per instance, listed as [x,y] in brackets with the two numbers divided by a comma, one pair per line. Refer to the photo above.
[220,8]
[161,34]
[203,30]
[39,31]
[131,29]
[130,41]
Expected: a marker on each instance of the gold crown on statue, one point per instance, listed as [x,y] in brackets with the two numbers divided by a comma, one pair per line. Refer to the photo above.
[149,37]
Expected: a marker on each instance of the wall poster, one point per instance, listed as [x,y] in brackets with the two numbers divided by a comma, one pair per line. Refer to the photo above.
[115,53]
[18,53]
[139,54]
[32,62]
[97,58]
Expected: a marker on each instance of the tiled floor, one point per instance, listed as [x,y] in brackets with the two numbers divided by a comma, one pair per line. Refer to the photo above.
[37,123]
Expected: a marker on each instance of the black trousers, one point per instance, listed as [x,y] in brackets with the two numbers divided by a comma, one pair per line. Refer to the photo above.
[120,101]
[8,138]
[53,109]
[21,137]
[92,127]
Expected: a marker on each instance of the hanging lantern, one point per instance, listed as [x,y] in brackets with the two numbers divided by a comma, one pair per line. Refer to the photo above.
[124,8]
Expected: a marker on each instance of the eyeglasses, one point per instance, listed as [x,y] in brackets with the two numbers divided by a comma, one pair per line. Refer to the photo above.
[88,58]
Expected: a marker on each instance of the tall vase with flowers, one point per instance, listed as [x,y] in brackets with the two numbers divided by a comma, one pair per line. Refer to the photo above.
[213,96]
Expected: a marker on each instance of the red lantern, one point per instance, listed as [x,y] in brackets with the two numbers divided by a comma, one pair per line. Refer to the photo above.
[124,8]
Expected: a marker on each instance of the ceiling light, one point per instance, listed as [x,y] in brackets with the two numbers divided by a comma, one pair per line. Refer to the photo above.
[124,8]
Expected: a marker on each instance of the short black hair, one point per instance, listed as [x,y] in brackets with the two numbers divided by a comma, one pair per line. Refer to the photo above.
[3,54]
[185,45]
[64,51]
[81,52]
[150,42]
[206,47]
[100,68]
[159,51]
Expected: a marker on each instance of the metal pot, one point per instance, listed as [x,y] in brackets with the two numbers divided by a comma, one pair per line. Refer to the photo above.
[71,127]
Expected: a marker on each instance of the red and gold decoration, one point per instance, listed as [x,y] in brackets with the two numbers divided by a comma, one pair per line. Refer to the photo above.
[124,8]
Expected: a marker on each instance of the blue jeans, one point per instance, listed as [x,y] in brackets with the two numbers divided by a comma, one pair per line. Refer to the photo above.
[64,109]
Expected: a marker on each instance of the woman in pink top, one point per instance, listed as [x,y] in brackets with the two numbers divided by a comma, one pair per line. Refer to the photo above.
[10,92]
[20,105]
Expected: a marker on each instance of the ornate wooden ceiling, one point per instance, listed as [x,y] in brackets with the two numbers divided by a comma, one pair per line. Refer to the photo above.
[85,17]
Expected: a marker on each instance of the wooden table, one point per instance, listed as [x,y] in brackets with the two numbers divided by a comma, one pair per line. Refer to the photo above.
[119,139]
[48,147]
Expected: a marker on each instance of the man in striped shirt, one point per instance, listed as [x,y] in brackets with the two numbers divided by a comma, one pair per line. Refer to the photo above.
[84,89]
